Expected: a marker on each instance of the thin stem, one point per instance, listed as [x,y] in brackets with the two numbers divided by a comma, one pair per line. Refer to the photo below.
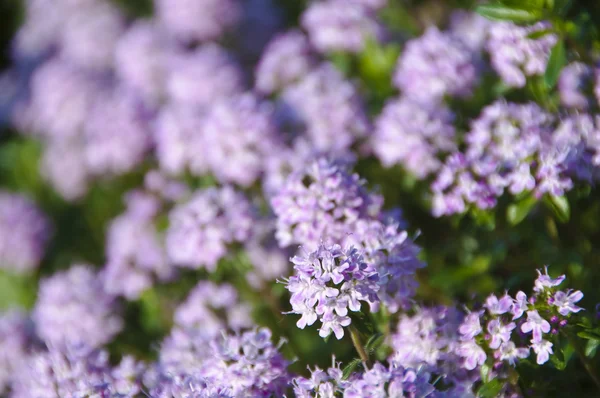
[589,367]
[359,347]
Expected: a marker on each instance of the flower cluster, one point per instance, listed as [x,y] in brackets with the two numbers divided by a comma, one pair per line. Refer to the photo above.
[73,308]
[435,65]
[321,202]
[76,372]
[246,364]
[200,229]
[24,233]
[413,135]
[508,148]
[515,55]
[379,381]
[327,283]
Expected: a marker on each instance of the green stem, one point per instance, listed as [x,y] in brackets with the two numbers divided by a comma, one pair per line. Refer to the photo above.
[359,347]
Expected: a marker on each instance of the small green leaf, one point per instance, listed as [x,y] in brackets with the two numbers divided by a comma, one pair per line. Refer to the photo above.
[491,389]
[560,207]
[485,372]
[516,212]
[558,59]
[350,368]
[498,12]
[589,335]
[558,359]
[538,34]
[591,348]
[374,341]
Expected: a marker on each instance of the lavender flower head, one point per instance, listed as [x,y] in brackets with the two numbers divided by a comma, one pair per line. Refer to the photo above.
[117,135]
[201,229]
[269,261]
[179,140]
[471,28]
[327,108]
[507,149]
[61,97]
[514,55]
[393,255]
[24,232]
[379,381]
[202,76]
[73,308]
[575,85]
[64,166]
[134,250]
[14,341]
[140,60]
[238,133]
[245,364]
[285,60]
[90,33]
[76,371]
[193,20]
[206,301]
[327,283]
[322,202]
[339,25]
[413,135]
[435,65]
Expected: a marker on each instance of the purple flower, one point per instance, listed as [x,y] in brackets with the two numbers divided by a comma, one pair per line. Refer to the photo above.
[14,342]
[322,202]
[65,167]
[566,301]
[134,249]
[435,65]
[544,281]
[73,308]
[573,85]
[327,108]
[140,60]
[201,229]
[498,307]
[471,326]
[117,136]
[535,324]
[520,305]
[239,364]
[201,77]
[203,306]
[75,371]
[543,349]
[499,332]
[413,135]
[514,55]
[473,355]
[287,59]
[90,33]
[193,20]
[339,25]
[511,353]
[327,283]
[24,233]
[238,133]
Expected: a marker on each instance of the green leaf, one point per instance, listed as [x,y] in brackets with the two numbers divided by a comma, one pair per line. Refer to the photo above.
[591,348]
[538,34]
[589,335]
[560,207]
[491,389]
[374,341]
[498,12]
[558,59]
[350,368]
[516,212]
[558,359]
[485,373]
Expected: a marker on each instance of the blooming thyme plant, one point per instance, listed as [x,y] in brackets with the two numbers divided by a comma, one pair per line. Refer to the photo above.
[324,198]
